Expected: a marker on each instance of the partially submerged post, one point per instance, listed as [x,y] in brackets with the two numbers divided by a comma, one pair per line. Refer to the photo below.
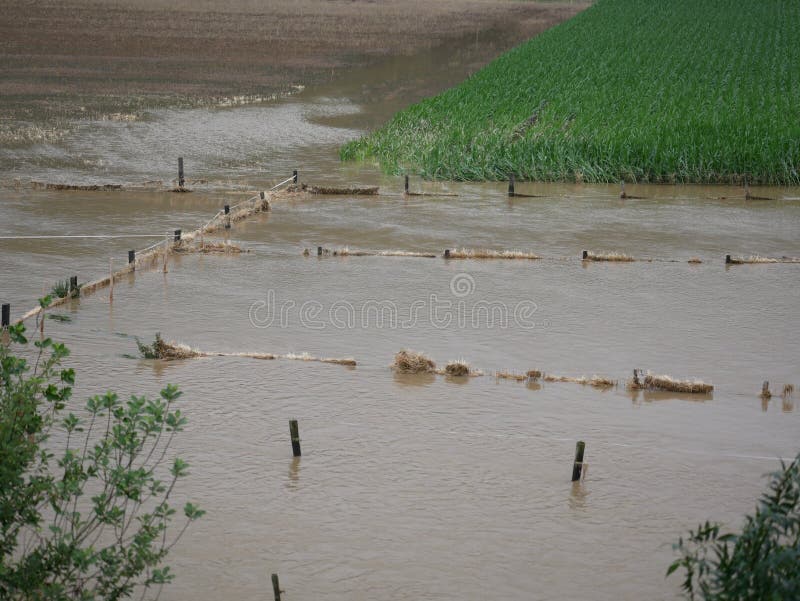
[446,253]
[276,587]
[294,176]
[73,286]
[177,236]
[319,251]
[406,185]
[181,181]
[511,185]
[578,465]
[166,252]
[132,259]
[227,210]
[6,318]
[111,279]
[765,392]
[585,255]
[727,259]
[294,431]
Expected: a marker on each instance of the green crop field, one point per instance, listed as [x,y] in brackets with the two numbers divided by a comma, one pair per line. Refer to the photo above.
[633,90]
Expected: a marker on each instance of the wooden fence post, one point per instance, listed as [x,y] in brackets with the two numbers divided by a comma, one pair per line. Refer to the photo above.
[578,464]
[276,587]
[294,431]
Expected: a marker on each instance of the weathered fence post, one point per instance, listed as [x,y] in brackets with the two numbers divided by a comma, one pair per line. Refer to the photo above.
[294,431]
[73,286]
[585,255]
[166,251]
[511,185]
[227,210]
[181,181]
[111,279]
[406,185]
[132,259]
[319,251]
[727,259]
[276,587]
[446,253]
[578,465]
[765,392]
[294,176]
[177,236]
[6,318]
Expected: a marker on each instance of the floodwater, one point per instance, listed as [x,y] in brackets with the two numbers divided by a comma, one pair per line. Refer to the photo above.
[420,486]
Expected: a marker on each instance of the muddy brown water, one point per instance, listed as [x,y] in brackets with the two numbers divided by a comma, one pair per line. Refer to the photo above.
[421,486]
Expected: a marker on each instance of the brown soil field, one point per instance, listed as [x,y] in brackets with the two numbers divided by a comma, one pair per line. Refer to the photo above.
[99,58]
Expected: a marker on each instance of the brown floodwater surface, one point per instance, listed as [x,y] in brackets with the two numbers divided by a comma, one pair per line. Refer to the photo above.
[421,486]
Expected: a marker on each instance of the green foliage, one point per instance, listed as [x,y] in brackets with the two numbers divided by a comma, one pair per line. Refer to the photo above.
[760,563]
[61,290]
[151,351]
[85,498]
[633,90]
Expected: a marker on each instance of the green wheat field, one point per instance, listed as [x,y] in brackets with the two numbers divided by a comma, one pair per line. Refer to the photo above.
[632,90]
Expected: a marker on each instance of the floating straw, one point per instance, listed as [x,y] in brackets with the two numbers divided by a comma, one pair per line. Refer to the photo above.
[411,362]
[666,383]
[482,253]
[349,252]
[756,259]
[457,369]
[170,351]
[595,381]
[608,256]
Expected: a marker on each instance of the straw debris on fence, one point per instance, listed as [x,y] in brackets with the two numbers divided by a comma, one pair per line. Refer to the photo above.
[613,257]
[411,362]
[594,381]
[206,248]
[483,253]
[788,390]
[530,376]
[350,252]
[668,384]
[334,190]
[458,368]
[508,375]
[307,357]
[756,259]
[81,187]
[166,351]
[169,351]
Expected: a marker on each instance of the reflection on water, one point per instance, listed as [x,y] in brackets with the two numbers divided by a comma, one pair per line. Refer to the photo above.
[578,494]
[294,473]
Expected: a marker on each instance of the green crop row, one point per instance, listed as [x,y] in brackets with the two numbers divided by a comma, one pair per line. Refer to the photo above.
[633,90]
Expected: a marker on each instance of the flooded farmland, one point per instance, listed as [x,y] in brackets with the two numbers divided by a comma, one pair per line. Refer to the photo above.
[419,486]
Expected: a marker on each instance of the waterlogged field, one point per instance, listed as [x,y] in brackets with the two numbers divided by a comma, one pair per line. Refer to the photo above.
[634,90]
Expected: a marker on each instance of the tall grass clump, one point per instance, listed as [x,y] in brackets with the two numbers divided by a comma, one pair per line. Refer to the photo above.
[628,90]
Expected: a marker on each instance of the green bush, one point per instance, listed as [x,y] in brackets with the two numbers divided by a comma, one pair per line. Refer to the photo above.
[760,563]
[84,499]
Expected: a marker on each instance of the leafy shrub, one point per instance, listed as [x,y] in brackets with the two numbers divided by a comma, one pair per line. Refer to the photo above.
[760,563]
[89,520]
